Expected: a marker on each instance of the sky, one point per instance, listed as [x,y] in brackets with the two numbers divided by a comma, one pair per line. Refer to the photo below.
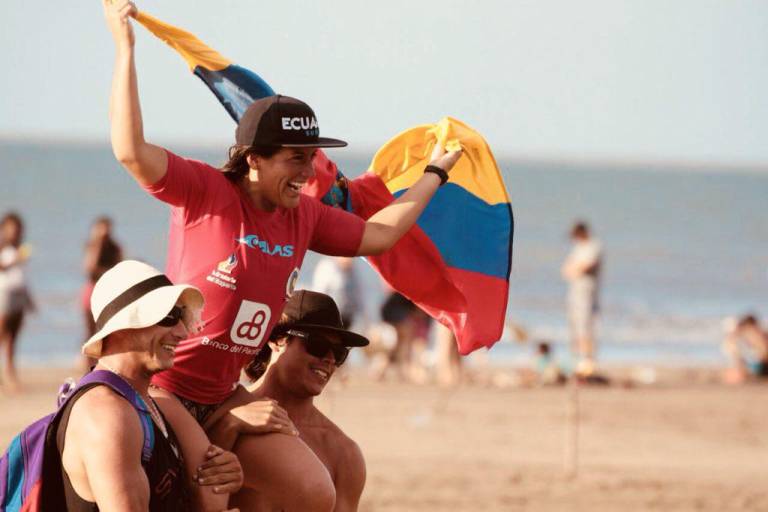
[617,80]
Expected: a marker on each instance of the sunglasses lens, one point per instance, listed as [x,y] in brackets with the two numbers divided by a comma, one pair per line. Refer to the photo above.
[340,355]
[318,347]
[172,318]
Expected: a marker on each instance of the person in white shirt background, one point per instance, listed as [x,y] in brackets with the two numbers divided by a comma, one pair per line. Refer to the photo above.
[581,269]
[15,299]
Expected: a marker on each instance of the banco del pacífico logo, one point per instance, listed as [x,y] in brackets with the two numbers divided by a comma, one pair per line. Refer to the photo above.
[252,241]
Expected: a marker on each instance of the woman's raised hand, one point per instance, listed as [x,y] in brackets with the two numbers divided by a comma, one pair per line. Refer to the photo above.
[118,14]
[444,160]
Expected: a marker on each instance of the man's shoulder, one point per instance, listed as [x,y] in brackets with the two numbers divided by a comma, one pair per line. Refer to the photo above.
[101,412]
[346,447]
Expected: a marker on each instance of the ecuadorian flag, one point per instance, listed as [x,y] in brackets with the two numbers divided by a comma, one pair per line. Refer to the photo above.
[456,262]
[234,86]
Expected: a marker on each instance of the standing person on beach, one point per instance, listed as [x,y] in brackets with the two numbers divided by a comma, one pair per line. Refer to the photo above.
[141,318]
[102,253]
[581,270]
[337,277]
[15,298]
[306,347]
[746,345]
[240,235]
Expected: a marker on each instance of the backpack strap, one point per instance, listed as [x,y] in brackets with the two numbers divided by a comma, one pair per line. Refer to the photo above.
[122,388]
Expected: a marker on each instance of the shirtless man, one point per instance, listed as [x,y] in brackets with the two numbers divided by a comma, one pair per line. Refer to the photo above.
[307,345]
[140,318]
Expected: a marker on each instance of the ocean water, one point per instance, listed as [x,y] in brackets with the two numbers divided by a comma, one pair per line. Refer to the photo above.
[683,249]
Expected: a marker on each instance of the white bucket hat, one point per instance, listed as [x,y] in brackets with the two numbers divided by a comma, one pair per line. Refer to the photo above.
[134,295]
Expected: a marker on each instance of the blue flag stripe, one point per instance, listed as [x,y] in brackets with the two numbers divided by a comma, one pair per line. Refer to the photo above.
[469,233]
[235,87]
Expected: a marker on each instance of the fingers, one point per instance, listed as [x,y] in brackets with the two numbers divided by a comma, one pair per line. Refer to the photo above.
[447,160]
[214,476]
[222,471]
[219,457]
[450,159]
[437,151]
[264,416]
[213,451]
[120,9]
[444,160]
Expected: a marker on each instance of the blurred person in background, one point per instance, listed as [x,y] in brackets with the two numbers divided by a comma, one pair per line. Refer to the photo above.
[102,253]
[448,367]
[582,269]
[746,346]
[412,327]
[15,298]
[547,369]
[336,276]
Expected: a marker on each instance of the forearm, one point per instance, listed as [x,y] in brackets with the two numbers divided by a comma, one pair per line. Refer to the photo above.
[223,433]
[145,162]
[384,228]
[127,130]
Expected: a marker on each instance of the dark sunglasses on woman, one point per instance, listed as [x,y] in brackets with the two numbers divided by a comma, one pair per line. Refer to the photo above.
[172,318]
[318,346]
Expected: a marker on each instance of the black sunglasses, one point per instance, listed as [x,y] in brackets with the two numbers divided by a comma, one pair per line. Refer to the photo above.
[318,346]
[172,318]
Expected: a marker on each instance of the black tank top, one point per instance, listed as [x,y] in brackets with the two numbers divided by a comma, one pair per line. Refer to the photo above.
[168,491]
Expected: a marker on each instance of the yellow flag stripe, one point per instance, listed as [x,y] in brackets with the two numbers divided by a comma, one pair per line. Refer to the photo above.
[194,51]
[401,161]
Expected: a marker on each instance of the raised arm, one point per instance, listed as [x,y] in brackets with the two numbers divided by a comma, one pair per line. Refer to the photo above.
[147,163]
[384,228]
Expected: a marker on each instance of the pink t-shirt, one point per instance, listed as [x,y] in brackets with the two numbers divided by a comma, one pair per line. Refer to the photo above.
[245,261]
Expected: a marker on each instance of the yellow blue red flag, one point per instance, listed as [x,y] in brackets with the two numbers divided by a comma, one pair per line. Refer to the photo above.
[455,263]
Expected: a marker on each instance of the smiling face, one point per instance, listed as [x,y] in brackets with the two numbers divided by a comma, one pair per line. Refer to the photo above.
[298,370]
[150,349]
[277,180]
[160,345]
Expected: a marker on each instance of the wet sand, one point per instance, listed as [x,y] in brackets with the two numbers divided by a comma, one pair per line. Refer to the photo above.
[684,443]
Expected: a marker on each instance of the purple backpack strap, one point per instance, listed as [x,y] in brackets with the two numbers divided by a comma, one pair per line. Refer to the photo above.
[121,387]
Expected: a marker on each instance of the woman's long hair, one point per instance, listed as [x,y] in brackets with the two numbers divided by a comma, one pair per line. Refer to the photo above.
[237,166]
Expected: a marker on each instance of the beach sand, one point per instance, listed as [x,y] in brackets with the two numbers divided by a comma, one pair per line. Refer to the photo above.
[684,443]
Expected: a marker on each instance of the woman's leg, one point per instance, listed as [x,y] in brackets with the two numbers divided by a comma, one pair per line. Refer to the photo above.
[194,444]
[10,325]
[282,473]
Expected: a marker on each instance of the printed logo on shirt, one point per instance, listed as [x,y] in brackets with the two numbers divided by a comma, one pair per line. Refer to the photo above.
[165,485]
[290,285]
[252,241]
[226,347]
[220,275]
[228,264]
[250,325]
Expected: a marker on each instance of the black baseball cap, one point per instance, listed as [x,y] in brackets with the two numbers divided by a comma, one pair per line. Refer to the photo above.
[317,312]
[282,121]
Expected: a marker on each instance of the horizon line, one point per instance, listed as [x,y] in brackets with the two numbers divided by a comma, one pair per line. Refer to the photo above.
[615,162]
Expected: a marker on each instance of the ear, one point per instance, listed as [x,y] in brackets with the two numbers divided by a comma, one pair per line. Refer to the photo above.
[253,161]
[277,345]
